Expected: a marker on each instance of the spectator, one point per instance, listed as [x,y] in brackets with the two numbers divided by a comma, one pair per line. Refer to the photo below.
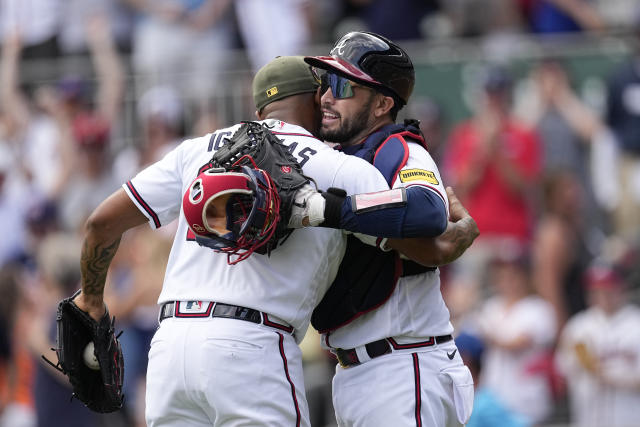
[395,20]
[563,16]
[30,131]
[623,117]
[16,374]
[492,161]
[560,253]
[182,42]
[13,206]
[488,410]
[36,22]
[160,114]
[91,180]
[599,354]
[567,128]
[262,39]
[518,328]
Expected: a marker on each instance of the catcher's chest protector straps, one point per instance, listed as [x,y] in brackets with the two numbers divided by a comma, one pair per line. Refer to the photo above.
[367,276]
[365,280]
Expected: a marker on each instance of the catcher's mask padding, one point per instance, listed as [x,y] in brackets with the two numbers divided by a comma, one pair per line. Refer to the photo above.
[249,200]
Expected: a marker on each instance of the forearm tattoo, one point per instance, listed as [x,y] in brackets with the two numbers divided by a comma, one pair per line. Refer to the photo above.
[94,264]
[461,236]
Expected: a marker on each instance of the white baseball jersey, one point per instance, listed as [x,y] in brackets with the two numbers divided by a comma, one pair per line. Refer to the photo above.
[287,284]
[416,308]
[614,343]
[513,375]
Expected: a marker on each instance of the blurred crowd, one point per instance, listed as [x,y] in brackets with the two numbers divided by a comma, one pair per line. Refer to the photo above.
[544,302]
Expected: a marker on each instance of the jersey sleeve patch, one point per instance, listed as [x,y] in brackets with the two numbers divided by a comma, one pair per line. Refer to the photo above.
[409,175]
[368,202]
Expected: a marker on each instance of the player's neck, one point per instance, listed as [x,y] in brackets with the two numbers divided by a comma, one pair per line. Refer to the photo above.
[361,136]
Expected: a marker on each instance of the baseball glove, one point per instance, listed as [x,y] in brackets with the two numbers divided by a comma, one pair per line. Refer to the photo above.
[96,382]
[242,199]
[586,358]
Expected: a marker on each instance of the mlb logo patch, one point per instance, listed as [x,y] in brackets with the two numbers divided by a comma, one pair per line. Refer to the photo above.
[191,308]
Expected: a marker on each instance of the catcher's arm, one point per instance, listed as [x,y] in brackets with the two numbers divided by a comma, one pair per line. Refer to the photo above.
[103,229]
[461,231]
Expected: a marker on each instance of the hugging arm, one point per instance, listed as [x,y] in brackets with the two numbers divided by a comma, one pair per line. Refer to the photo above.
[460,233]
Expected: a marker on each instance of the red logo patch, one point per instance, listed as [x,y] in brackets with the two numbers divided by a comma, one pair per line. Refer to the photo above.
[285,169]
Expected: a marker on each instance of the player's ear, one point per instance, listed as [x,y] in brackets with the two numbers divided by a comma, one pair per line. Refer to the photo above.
[258,115]
[383,105]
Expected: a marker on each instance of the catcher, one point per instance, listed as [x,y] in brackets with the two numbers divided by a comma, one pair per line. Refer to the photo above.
[226,347]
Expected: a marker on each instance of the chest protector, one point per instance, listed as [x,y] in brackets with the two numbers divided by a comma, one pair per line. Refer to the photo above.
[367,276]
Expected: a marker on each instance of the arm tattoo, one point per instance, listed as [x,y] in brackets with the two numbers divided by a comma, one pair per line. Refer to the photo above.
[94,263]
[461,235]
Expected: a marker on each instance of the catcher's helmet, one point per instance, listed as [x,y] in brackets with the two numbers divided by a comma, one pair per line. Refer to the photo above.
[371,60]
[247,200]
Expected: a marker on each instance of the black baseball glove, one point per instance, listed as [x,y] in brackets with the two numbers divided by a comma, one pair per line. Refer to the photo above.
[254,145]
[98,386]
[258,212]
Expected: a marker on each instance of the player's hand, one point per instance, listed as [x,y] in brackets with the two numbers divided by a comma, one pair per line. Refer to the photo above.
[458,212]
[308,208]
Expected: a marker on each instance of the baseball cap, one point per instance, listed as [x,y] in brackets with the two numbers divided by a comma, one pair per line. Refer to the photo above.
[602,276]
[282,77]
[90,130]
[162,102]
[497,79]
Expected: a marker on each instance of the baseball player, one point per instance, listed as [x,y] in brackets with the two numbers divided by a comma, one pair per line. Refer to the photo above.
[599,354]
[398,363]
[226,349]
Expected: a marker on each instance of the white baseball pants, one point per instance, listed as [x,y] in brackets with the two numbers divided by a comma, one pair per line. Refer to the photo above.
[406,388]
[224,373]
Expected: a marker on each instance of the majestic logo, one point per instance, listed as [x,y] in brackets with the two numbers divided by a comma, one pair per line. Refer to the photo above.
[285,169]
[418,175]
[452,354]
[198,228]
[271,92]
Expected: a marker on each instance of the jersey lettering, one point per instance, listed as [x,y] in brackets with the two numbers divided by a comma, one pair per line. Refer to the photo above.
[216,140]
[303,155]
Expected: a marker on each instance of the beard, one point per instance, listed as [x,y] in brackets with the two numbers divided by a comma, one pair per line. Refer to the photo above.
[349,127]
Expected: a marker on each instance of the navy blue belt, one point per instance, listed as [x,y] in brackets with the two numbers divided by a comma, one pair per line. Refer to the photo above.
[199,309]
[384,346]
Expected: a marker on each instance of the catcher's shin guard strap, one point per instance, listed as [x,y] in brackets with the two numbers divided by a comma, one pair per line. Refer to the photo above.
[335,198]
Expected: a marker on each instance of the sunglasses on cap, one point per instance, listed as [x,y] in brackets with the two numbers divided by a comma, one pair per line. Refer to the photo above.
[341,88]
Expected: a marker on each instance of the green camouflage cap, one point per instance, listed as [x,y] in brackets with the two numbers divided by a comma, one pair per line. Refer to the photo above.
[282,77]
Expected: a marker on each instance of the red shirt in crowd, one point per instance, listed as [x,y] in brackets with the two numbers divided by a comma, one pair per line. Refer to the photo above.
[498,209]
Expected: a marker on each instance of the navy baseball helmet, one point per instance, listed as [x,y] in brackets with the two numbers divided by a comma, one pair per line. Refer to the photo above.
[371,60]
